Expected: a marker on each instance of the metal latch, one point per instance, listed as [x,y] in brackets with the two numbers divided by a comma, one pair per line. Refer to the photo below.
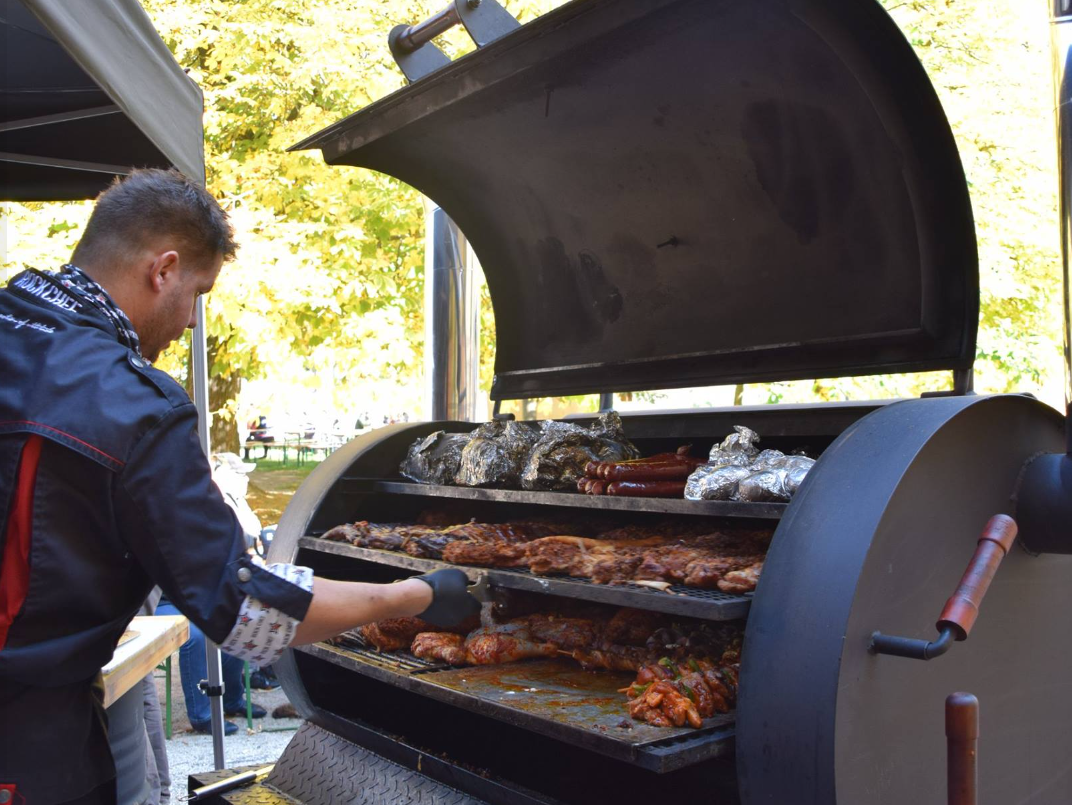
[412,47]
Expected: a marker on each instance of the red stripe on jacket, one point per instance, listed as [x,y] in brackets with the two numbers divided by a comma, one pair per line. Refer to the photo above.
[15,564]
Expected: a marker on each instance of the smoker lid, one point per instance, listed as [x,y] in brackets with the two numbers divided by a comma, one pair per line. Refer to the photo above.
[669,193]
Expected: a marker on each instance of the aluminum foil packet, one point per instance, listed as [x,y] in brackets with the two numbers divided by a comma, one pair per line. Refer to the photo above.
[557,460]
[737,470]
[776,485]
[496,454]
[768,486]
[435,459]
[738,449]
[710,482]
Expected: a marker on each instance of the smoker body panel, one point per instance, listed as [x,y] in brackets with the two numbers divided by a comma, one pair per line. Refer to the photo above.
[821,720]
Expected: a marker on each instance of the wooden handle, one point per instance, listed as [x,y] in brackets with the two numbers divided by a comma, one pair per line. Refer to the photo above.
[962,608]
[962,743]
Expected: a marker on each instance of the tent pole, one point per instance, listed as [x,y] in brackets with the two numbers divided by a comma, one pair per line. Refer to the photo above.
[214,683]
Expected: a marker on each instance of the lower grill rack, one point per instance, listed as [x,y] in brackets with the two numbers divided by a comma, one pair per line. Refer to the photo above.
[552,697]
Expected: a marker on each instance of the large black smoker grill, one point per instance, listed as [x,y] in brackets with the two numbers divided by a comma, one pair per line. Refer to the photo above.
[670,193]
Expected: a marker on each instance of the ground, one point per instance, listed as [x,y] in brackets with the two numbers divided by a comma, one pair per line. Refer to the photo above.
[271,486]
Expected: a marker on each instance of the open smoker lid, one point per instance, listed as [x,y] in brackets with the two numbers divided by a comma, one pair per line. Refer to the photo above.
[669,193]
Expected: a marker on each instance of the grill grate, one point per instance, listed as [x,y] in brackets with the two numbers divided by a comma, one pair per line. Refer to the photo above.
[686,601]
[402,661]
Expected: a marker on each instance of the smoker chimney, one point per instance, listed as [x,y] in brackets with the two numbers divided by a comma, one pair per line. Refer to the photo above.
[451,323]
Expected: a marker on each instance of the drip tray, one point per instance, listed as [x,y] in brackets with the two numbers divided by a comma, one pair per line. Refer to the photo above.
[553,697]
[560,691]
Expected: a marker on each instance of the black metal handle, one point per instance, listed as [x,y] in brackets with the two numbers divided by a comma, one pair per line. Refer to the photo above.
[912,648]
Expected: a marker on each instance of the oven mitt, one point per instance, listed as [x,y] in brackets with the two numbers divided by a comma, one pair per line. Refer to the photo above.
[451,601]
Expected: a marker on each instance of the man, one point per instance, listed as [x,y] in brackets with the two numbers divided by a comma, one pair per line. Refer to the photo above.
[104,491]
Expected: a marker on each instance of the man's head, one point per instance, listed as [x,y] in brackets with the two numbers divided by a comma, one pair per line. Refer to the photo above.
[155,242]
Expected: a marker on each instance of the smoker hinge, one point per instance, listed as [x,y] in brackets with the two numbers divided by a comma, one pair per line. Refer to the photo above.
[411,45]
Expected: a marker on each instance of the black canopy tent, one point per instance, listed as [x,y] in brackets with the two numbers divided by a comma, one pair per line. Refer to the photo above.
[90,91]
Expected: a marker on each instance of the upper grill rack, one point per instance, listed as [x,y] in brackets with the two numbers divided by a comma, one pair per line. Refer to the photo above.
[686,601]
[676,506]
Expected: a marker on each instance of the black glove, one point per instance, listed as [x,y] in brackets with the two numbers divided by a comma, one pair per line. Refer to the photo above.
[451,601]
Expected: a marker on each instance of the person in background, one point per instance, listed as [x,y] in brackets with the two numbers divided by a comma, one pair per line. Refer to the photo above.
[101,471]
[193,667]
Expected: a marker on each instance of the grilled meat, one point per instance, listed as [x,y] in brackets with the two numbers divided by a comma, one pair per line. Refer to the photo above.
[633,627]
[505,643]
[609,657]
[433,545]
[485,554]
[673,552]
[566,634]
[661,689]
[342,533]
[709,571]
[579,556]
[442,646]
[741,581]
[393,634]
[663,705]
[389,536]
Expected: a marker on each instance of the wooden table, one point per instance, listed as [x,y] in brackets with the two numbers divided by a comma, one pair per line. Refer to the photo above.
[158,637]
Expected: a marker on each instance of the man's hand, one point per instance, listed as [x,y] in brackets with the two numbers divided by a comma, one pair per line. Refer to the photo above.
[341,605]
[451,601]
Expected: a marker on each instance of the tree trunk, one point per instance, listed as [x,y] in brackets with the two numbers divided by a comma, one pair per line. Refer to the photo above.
[222,389]
[738,394]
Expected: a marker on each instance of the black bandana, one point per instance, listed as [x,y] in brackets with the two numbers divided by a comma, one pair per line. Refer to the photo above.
[78,282]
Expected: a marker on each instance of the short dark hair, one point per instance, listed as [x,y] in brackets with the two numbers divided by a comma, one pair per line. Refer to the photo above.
[150,202]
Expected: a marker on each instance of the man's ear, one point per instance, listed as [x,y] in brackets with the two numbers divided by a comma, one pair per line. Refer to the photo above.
[164,270]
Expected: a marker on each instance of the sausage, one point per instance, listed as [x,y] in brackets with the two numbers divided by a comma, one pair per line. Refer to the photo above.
[591,468]
[597,488]
[647,489]
[582,484]
[677,470]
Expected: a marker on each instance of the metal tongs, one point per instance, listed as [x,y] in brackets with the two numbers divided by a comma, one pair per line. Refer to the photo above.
[480,589]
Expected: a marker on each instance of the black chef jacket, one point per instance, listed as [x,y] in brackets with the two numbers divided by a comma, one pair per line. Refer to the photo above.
[104,492]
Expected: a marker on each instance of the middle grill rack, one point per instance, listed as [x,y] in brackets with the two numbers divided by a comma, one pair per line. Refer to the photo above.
[677,600]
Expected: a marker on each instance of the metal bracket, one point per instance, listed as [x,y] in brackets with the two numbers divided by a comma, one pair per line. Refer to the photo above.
[210,690]
[416,56]
[485,20]
[963,383]
[496,413]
